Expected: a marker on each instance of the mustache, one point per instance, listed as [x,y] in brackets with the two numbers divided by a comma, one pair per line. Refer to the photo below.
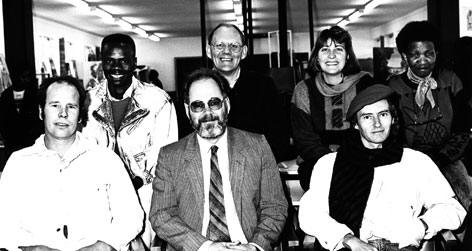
[208,118]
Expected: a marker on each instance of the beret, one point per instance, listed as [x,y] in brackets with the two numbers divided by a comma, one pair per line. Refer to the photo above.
[368,96]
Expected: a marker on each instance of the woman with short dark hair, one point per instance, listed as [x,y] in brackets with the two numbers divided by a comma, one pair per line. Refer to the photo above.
[426,95]
[319,103]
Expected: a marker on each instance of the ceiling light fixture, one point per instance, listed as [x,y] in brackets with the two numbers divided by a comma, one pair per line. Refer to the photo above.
[79,4]
[155,38]
[355,15]
[372,4]
[369,6]
[109,18]
[123,24]
[343,23]
[140,32]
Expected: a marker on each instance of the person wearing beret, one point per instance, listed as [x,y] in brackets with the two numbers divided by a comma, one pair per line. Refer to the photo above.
[374,194]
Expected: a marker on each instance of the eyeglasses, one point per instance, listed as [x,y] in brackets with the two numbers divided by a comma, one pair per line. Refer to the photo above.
[234,48]
[199,106]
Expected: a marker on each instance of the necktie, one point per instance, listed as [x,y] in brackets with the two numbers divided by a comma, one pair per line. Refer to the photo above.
[217,228]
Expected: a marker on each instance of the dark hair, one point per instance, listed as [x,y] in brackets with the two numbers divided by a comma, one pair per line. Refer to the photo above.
[119,38]
[414,32]
[338,35]
[241,35]
[204,73]
[42,93]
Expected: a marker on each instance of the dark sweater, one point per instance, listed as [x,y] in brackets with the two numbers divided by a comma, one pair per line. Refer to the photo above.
[310,135]
[430,130]
[255,108]
[20,128]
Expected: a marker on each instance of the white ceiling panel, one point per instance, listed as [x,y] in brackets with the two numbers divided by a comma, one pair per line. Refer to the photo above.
[181,18]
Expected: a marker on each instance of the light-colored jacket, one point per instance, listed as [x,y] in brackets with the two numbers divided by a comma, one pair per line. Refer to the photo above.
[67,201]
[149,123]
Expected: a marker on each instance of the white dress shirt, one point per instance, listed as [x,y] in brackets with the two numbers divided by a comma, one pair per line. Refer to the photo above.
[394,208]
[67,202]
[234,227]
[233,223]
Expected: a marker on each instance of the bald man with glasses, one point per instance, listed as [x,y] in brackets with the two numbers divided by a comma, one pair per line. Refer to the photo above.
[255,106]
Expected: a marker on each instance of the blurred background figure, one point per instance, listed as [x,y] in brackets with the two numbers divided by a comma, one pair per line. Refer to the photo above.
[153,76]
[97,75]
[149,75]
[19,115]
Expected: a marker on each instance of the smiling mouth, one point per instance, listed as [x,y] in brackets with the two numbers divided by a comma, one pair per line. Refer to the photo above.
[331,63]
[116,76]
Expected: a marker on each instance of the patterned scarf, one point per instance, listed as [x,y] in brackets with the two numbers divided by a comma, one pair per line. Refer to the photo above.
[425,85]
[333,90]
[337,99]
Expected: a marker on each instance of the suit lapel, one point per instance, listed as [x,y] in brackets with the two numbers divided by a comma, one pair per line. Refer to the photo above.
[237,158]
[193,163]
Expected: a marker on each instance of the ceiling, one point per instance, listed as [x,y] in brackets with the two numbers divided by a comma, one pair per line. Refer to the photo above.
[181,18]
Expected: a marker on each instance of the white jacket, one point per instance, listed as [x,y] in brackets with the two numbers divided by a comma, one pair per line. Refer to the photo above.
[150,122]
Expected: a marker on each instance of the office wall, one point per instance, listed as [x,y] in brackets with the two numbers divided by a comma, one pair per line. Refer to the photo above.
[160,55]
[392,28]
[46,44]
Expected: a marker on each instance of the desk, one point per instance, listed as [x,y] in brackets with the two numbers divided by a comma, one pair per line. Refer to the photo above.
[289,173]
[293,235]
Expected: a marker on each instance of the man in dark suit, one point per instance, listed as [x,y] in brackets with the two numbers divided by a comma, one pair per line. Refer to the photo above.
[227,197]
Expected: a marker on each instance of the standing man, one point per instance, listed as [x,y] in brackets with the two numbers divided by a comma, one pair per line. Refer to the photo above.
[254,104]
[133,118]
[218,188]
[373,194]
[65,192]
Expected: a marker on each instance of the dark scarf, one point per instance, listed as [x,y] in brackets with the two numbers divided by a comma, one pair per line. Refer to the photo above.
[353,174]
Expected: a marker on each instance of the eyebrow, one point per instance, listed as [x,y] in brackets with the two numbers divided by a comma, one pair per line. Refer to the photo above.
[56,101]
[371,113]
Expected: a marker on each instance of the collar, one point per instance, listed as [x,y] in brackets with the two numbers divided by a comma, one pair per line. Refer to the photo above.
[76,149]
[430,81]
[129,91]
[234,77]
[221,143]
